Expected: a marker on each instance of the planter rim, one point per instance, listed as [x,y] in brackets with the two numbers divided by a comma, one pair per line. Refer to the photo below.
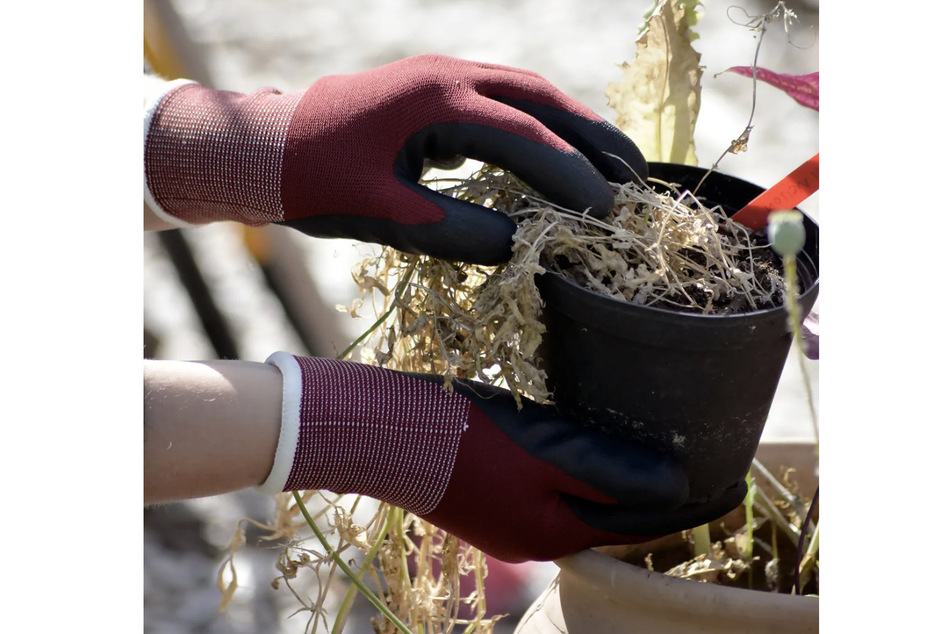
[662,592]
[652,325]
[668,314]
[658,592]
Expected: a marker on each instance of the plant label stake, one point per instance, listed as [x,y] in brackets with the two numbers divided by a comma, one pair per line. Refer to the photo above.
[801,183]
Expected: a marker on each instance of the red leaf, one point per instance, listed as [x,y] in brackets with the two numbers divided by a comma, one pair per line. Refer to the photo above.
[803,88]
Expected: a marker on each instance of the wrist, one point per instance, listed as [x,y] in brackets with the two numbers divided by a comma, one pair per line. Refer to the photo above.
[290,422]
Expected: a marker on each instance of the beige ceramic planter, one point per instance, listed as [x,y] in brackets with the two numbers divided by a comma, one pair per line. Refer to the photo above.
[595,593]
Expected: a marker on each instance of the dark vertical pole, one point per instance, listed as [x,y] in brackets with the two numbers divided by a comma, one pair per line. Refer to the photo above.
[212,321]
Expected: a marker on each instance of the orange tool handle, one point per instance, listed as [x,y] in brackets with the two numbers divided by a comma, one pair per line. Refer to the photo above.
[801,183]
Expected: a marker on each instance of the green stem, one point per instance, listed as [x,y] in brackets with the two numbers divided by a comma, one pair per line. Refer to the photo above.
[814,542]
[372,598]
[701,540]
[812,549]
[804,560]
[344,611]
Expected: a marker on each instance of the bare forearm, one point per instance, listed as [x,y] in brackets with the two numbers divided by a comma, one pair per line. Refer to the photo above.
[211,427]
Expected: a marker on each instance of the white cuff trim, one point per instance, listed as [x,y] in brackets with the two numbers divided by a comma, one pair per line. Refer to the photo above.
[290,422]
[155,89]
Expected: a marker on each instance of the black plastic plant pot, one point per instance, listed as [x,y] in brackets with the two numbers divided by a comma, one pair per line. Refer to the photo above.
[696,388]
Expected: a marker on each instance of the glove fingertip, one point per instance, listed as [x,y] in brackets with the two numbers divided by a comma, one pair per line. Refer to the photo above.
[467,232]
[603,205]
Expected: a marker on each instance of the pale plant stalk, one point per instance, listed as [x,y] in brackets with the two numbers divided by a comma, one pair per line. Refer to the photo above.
[809,559]
[480,593]
[748,543]
[795,326]
[748,511]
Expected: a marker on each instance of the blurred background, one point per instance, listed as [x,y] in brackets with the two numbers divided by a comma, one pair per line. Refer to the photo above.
[224,291]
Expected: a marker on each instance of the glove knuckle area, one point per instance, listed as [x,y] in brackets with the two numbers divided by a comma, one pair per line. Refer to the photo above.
[524,147]
[611,151]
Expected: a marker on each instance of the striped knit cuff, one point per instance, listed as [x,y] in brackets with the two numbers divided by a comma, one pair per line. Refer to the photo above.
[213,155]
[155,90]
[354,428]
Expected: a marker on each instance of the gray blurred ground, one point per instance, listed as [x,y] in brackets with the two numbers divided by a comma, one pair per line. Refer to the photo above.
[576,44]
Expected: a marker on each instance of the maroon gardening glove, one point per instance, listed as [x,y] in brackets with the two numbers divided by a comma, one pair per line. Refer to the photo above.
[517,484]
[344,157]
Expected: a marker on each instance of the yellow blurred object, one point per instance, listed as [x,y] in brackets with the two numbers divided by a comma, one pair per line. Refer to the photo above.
[171,54]
[257,242]
[160,53]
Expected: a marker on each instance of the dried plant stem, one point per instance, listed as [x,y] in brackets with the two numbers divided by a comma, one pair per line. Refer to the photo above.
[656,249]
[480,594]
[382,318]
[371,597]
[793,501]
[371,554]
[759,24]
[804,561]
[766,506]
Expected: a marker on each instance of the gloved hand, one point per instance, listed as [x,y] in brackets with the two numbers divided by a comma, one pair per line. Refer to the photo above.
[517,484]
[344,157]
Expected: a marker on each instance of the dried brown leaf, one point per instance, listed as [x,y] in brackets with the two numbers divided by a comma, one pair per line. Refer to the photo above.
[658,96]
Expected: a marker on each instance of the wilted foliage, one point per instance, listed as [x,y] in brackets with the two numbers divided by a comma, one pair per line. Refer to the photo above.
[657,248]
